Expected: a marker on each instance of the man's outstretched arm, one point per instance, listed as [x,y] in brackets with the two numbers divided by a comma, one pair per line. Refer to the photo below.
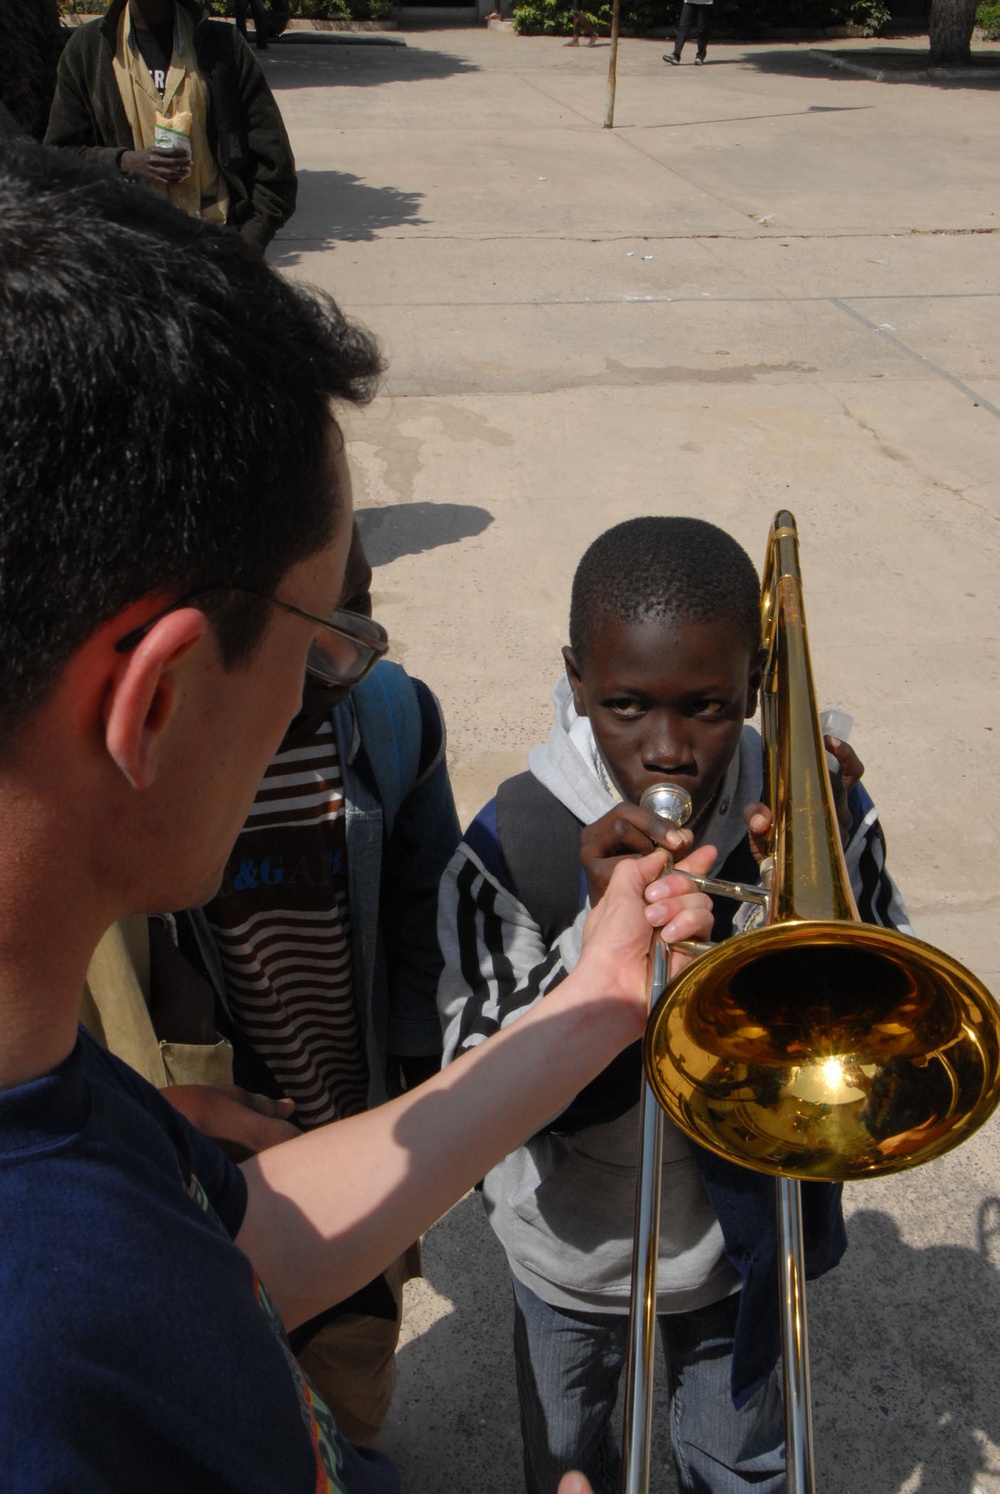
[328,1210]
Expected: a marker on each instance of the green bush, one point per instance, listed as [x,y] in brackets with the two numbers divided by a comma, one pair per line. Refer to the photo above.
[543,18]
[873,15]
[554,17]
[988,20]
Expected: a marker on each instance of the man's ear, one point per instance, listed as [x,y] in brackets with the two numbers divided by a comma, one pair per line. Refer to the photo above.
[575,680]
[141,698]
[753,683]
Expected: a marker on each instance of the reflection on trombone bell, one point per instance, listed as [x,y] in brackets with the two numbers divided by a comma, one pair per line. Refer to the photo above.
[826,1059]
[815,1046]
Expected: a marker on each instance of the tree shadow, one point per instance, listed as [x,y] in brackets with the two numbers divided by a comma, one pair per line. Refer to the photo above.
[295,63]
[411,528]
[894,64]
[337,207]
[905,1361]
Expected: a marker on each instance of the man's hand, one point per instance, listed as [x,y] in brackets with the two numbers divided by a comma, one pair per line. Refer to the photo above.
[156,164]
[849,772]
[616,937]
[242,1123]
[326,1211]
[574,1483]
[626,830]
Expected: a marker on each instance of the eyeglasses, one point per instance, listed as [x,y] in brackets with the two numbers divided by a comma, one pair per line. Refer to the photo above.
[346,650]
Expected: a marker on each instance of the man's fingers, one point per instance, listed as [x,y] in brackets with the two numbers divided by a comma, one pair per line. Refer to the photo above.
[674,904]
[574,1483]
[699,863]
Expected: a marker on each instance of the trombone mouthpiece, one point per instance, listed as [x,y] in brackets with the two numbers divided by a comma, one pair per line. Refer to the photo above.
[671,802]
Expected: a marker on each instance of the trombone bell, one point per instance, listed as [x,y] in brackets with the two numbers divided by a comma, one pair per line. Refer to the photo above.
[819,1046]
[824,1049]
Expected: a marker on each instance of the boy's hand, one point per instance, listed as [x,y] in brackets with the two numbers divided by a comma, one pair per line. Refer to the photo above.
[849,773]
[626,830]
[240,1122]
[759,817]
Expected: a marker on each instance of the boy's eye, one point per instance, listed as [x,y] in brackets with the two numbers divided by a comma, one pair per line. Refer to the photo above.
[709,710]
[626,710]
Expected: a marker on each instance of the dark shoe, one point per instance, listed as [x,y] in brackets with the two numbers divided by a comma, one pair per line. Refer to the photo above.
[699,62]
[673,58]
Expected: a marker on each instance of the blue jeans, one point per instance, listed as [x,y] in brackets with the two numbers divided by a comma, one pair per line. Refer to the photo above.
[568,1368]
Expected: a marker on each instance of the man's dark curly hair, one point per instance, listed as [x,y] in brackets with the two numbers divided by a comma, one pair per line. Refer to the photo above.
[664,567]
[165,420]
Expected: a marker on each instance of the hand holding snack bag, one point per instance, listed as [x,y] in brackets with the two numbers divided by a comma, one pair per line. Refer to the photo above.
[169,160]
[173,133]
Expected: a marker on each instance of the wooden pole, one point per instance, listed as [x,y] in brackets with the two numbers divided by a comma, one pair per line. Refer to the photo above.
[609,106]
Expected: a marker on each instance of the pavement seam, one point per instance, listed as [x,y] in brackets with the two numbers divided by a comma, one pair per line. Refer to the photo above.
[735,234]
[897,342]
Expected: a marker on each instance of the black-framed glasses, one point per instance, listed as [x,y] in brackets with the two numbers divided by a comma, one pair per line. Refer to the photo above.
[346,649]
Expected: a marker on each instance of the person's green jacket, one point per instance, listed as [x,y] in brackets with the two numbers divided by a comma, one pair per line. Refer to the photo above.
[245,128]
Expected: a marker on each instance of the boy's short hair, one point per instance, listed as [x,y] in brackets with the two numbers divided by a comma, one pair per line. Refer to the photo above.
[664,567]
[164,415]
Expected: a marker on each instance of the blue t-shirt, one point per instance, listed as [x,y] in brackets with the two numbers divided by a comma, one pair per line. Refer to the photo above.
[140,1351]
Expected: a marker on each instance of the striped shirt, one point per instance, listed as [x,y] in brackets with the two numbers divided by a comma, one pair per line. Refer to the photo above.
[282,924]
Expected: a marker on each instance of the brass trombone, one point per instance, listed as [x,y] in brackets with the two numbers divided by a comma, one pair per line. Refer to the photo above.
[814,1046]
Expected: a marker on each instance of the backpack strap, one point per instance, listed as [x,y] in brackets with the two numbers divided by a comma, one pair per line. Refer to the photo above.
[540,844]
[393,729]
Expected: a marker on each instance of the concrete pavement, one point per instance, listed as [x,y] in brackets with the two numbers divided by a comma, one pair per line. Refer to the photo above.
[774,283]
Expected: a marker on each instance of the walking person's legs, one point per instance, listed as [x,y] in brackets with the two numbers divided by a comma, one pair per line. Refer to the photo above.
[582,26]
[260,23]
[683,27]
[702,18]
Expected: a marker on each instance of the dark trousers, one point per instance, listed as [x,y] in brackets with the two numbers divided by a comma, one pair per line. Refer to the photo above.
[697,16]
[259,13]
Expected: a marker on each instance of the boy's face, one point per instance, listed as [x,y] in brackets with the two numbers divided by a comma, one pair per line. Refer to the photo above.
[667,699]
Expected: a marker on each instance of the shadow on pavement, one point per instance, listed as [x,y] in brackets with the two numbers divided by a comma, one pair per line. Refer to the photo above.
[910,1339]
[294,65]
[907,1338]
[810,61]
[337,207]
[411,528]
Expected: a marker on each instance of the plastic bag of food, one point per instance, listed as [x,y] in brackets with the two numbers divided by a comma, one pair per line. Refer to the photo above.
[173,133]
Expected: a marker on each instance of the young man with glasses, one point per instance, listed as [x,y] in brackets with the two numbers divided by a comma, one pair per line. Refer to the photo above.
[141,1347]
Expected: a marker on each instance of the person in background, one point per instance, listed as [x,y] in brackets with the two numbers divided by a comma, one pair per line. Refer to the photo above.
[260,21]
[693,13]
[179,103]
[582,26]
[323,951]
